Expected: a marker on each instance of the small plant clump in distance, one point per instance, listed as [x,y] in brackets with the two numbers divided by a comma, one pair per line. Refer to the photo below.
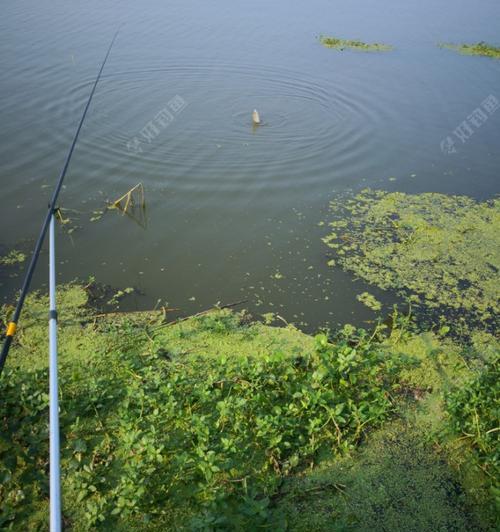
[343,44]
[480,48]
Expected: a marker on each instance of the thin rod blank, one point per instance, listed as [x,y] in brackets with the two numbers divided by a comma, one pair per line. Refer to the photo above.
[55,472]
[11,329]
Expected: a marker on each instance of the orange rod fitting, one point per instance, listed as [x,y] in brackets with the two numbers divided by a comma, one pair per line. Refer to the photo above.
[11,329]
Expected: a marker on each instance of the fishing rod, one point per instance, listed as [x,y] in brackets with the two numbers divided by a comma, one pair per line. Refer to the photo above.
[12,325]
[54,440]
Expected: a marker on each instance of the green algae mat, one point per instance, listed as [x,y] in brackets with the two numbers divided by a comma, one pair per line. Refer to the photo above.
[396,483]
[442,252]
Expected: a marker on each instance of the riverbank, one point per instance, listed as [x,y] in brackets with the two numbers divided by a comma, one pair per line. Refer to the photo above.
[219,421]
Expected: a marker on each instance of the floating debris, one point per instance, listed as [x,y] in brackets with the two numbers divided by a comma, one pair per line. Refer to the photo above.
[133,204]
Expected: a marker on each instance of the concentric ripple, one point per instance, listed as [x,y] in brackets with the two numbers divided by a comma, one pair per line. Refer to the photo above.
[312,130]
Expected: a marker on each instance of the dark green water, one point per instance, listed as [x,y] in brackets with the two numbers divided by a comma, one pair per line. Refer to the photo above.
[232,212]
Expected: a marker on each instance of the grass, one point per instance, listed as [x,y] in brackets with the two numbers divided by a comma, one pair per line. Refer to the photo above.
[346,44]
[480,48]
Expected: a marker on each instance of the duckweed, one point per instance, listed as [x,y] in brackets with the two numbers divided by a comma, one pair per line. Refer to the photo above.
[443,252]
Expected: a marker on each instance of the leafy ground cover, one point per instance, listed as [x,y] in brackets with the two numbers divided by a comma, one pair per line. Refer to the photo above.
[221,423]
[474,410]
[418,472]
[192,425]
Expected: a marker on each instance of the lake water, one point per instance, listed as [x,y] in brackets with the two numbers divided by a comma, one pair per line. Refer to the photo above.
[233,212]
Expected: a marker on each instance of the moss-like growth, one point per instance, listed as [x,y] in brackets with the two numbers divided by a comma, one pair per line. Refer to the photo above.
[442,251]
[397,482]
[415,473]
[481,48]
[346,44]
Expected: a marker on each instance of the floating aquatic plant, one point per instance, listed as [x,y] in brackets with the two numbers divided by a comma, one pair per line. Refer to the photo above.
[13,257]
[443,251]
[480,48]
[343,44]
[369,300]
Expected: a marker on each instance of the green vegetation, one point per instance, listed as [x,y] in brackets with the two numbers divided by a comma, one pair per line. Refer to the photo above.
[218,422]
[173,424]
[481,48]
[343,44]
[396,483]
[475,412]
[443,252]
[12,258]
[369,300]
[417,472]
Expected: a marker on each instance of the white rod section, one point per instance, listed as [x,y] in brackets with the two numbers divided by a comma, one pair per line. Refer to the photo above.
[55,473]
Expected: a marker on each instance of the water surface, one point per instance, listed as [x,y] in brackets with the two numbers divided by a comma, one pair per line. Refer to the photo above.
[233,212]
